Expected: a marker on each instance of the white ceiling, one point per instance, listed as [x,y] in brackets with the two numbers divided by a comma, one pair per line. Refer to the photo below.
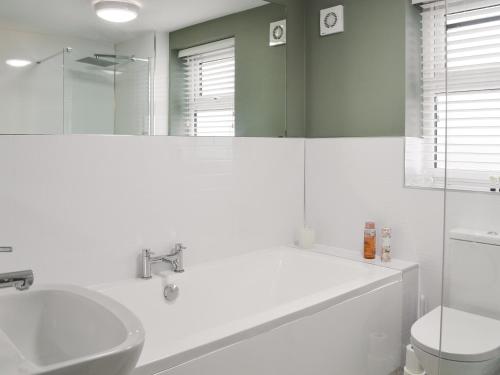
[77,18]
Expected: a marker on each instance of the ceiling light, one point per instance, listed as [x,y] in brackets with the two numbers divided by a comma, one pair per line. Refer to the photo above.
[116,10]
[18,63]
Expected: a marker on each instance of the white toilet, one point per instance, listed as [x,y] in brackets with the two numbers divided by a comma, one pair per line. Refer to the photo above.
[470,332]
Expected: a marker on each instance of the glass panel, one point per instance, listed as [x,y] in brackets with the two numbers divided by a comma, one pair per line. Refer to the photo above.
[469,339]
[105,93]
[133,91]
[89,90]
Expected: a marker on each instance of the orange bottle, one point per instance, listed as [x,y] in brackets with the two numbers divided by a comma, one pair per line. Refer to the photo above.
[370,243]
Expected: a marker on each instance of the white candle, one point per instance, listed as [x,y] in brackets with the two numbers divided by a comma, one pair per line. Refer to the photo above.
[306,238]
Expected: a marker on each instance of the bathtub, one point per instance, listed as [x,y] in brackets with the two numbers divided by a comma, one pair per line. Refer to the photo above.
[280,311]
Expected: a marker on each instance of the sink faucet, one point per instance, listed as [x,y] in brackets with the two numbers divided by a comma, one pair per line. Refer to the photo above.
[20,280]
[175,258]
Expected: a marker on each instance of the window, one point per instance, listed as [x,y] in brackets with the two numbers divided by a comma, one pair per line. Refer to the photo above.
[460,106]
[209,76]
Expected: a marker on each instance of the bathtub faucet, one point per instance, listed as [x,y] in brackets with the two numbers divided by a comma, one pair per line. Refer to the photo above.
[175,259]
[21,280]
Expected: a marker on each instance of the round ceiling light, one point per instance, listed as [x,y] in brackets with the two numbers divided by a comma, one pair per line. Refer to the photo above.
[117,10]
[18,63]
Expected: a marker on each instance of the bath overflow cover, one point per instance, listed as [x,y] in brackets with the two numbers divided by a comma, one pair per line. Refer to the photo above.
[171,292]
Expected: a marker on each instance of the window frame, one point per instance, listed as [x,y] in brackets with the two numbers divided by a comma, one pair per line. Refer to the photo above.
[427,161]
[217,103]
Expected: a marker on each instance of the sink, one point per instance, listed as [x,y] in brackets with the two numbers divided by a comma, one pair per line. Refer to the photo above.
[66,330]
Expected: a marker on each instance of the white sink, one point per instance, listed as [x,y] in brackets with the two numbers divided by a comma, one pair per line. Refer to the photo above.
[66,330]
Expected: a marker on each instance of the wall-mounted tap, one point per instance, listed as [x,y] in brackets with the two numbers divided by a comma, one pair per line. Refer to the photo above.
[175,259]
[20,280]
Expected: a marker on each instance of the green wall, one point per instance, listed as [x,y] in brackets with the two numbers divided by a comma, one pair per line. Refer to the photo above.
[356,79]
[352,84]
[260,100]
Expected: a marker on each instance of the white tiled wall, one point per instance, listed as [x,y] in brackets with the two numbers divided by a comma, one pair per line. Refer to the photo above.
[351,180]
[79,209]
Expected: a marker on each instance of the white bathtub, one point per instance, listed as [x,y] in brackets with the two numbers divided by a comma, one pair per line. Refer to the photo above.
[277,311]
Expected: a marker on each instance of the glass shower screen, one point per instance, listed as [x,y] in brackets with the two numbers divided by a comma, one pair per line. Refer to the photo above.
[468,146]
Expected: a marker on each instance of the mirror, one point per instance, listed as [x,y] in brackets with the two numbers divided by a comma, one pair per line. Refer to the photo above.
[232,80]
[143,67]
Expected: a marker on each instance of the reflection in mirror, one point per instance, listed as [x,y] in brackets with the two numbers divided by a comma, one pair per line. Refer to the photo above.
[109,92]
[228,77]
[142,68]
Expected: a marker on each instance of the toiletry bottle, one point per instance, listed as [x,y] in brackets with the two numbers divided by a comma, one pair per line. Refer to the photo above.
[370,243]
[386,244]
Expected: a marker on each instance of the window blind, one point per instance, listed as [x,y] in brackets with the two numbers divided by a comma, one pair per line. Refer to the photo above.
[460,128]
[209,89]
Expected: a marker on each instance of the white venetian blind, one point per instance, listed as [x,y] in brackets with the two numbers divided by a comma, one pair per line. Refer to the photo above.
[209,89]
[461,93]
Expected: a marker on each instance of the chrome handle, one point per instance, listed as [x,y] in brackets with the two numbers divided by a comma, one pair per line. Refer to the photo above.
[179,253]
[6,249]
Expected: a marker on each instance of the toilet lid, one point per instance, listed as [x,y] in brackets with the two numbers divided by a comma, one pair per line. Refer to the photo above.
[466,337]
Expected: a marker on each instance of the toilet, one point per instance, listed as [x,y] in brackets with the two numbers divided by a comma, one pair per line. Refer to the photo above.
[468,341]
[470,346]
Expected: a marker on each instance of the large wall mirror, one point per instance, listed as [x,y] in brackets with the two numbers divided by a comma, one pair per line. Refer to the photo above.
[143,67]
